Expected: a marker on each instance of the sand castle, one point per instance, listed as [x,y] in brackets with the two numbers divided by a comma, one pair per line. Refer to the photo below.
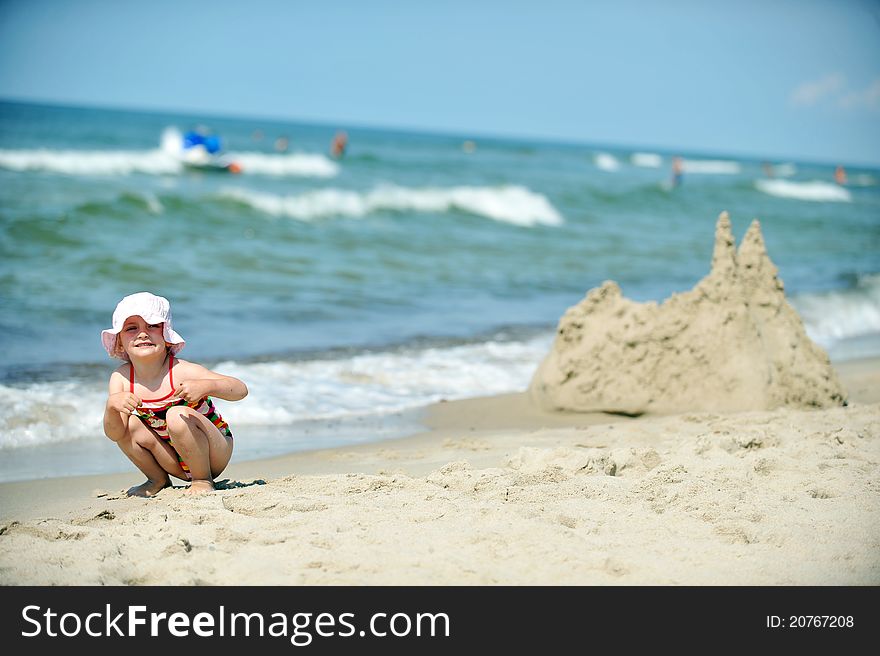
[731,343]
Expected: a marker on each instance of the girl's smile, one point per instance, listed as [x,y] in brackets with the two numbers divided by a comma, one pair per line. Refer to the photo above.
[139,336]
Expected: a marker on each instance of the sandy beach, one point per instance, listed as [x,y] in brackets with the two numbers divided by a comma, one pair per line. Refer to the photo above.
[497,491]
[476,303]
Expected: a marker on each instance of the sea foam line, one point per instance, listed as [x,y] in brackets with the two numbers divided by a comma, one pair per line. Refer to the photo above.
[606,162]
[284,392]
[159,162]
[646,160]
[381,383]
[711,166]
[812,191]
[509,204]
[91,162]
[835,315]
[296,164]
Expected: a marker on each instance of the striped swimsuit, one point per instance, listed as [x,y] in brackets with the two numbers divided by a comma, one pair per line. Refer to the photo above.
[152,412]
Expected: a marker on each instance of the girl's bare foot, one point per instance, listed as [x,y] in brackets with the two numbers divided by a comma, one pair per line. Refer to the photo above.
[199,486]
[148,488]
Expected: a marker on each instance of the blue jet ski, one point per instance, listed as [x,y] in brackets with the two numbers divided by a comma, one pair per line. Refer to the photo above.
[203,152]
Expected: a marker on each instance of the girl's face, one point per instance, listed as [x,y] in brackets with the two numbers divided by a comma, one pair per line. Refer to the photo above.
[139,338]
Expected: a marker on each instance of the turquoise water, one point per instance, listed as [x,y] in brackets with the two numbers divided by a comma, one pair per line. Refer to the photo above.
[354,291]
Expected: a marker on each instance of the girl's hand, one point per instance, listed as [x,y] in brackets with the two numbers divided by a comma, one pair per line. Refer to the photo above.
[193,391]
[124,402]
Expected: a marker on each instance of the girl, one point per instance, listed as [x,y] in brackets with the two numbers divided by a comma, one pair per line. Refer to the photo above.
[159,408]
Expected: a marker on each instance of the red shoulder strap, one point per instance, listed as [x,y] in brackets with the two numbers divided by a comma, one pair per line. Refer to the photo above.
[170,375]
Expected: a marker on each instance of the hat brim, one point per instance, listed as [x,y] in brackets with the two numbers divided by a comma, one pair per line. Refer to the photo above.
[108,339]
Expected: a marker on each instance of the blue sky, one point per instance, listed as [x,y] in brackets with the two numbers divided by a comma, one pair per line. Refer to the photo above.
[778,79]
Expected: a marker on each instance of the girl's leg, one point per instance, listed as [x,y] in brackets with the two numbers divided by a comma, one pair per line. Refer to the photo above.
[152,456]
[200,444]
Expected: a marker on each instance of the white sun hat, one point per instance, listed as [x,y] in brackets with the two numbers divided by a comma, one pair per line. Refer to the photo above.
[152,309]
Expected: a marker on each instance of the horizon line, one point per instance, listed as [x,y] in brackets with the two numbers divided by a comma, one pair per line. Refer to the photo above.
[440,132]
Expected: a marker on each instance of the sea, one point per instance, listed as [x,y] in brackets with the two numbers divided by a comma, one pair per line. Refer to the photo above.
[349,292]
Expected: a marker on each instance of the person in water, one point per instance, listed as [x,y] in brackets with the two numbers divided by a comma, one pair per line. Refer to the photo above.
[159,410]
[339,144]
[677,171]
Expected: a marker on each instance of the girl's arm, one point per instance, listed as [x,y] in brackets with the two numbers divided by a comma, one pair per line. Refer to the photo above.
[118,407]
[194,382]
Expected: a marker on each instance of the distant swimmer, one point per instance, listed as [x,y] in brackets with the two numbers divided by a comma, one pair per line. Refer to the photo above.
[677,171]
[468,146]
[768,169]
[281,144]
[339,144]
[840,176]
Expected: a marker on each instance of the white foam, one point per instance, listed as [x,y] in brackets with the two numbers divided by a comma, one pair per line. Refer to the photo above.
[647,160]
[91,162]
[287,392]
[510,204]
[168,159]
[171,141]
[44,413]
[833,316]
[710,166]
[606,162]
[812,191]
[293,164]
[382,383]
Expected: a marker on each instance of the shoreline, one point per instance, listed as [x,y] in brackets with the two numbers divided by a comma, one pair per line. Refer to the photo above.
[494,491]
[442,421]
